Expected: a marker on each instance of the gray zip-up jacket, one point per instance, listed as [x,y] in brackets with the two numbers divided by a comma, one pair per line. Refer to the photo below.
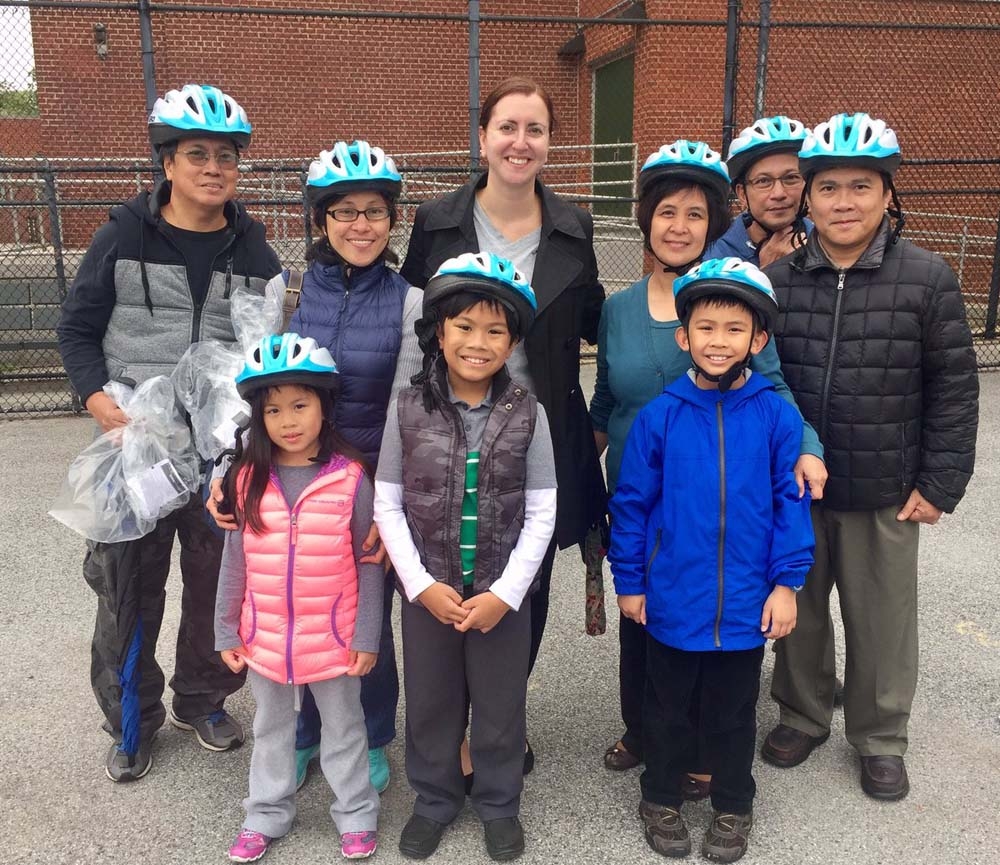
[130,315]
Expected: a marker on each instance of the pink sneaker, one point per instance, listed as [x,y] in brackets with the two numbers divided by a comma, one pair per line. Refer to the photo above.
[249,846]
[358,845]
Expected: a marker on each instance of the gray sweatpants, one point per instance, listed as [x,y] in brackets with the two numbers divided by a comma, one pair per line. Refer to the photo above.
[343,753]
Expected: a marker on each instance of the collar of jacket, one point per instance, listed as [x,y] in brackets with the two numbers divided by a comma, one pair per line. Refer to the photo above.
[151,205]
[439,381]
[456,211]
[870,259]
[685,389]
[332,276]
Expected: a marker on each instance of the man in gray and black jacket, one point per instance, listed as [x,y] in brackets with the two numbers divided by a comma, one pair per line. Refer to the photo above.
[158,277]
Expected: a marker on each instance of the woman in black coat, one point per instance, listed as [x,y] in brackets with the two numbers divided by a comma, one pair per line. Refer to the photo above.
[508,211]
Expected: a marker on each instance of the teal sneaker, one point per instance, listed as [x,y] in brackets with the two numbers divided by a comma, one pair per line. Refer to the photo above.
[378,769]
[303,756]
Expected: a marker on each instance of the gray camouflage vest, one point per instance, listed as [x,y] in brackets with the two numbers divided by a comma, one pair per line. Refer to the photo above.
[434,451]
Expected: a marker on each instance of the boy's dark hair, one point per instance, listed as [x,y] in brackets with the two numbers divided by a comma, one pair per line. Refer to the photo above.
[725,301]
[719,215]
[256,456]
[449,307]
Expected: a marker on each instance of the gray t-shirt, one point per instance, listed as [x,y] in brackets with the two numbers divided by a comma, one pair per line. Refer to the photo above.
[522,253]
[371,577]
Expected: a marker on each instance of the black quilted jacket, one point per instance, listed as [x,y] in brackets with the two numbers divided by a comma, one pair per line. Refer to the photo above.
[880,360]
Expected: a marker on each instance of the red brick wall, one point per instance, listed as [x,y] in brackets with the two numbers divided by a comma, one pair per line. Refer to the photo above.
[304,81]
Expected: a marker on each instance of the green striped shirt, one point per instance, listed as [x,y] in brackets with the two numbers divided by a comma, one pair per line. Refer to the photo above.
[470,516]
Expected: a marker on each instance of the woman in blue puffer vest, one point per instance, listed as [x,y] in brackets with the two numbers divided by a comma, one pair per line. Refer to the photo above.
[354,304]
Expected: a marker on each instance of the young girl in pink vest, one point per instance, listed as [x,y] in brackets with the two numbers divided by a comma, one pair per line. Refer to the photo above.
[295,604]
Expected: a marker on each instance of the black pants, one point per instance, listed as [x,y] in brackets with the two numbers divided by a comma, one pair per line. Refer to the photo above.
[129,580]
[444,672]
[713,694]
[632,681]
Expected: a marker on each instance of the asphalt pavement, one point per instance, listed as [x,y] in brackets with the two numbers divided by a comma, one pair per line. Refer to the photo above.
[57,806]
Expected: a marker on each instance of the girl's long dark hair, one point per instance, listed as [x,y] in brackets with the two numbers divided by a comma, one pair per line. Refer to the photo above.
[254,452]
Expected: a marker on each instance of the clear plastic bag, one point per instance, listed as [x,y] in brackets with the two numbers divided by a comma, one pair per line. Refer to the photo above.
[205,376]
[205,381]
[129,478]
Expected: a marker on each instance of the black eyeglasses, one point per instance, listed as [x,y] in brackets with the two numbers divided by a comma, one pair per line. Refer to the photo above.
[227,160]
[350,214]
[765,183]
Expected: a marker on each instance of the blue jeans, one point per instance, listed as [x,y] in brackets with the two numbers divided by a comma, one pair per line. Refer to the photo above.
[379,690]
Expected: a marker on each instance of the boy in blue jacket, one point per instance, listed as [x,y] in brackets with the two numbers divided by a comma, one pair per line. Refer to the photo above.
[709,544]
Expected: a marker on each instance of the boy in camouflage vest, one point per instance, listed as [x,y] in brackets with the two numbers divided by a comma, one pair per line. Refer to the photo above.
[465,504]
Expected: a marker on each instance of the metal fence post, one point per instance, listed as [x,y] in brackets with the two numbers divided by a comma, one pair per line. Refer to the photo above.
[473,84]
[763,42]
[990,330]
[55,229]
[732,70]
[55,233]
[306,209]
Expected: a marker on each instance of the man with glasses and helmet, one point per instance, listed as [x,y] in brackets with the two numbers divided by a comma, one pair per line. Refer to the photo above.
[158,276]
[764,167]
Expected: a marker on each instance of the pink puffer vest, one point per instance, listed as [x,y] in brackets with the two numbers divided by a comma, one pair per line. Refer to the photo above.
[302,585]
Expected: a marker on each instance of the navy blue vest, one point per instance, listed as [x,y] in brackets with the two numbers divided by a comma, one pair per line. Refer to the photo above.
[360,319]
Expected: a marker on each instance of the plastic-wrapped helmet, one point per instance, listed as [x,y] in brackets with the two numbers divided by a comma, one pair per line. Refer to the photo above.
[765,137]
[194,110]
[850,139]
[686,160]
[732,277]
[488,274]
[286,358]
[347,168]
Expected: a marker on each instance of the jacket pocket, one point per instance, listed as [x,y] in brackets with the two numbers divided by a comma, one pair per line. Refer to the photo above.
[248,626]
[334,630]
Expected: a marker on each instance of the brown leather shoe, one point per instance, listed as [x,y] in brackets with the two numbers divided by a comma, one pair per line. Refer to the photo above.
[786,747]
[618,758]
[884,777]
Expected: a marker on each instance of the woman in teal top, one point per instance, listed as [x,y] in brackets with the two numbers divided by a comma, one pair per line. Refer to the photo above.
[683,206]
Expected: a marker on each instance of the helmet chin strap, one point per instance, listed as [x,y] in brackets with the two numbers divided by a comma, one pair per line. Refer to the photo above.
[728,378]
[749,219]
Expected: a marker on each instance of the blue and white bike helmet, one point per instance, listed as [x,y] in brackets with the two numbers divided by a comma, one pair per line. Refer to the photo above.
[488,274]
[196,110]
[850,139]
[765,137]
[286,358]
[687,160]
[732,277]
[347,168]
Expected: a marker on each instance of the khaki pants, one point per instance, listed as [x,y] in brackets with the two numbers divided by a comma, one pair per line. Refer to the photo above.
[872,560]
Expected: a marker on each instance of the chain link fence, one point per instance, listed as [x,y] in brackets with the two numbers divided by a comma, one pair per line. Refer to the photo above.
[806,59]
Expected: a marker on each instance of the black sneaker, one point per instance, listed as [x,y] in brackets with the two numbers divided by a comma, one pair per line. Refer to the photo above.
[121,767]
[504,838]
[219,731]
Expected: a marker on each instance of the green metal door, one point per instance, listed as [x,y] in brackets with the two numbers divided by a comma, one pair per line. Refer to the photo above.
[613,93]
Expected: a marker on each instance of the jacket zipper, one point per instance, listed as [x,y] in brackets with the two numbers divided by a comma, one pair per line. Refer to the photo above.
[343,313]
[722,522]
[292,541]
[828,375]
[197,307]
